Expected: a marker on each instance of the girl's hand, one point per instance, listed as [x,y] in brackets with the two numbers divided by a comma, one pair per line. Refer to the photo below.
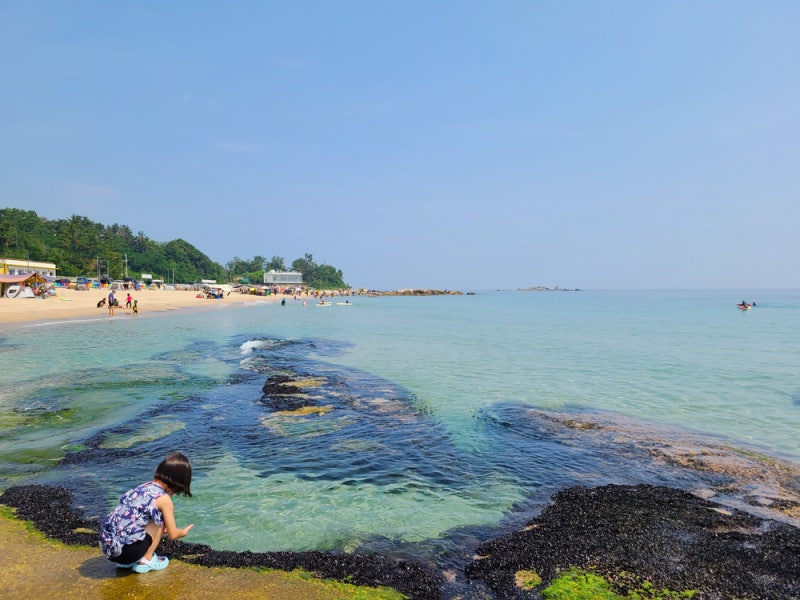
[164,504]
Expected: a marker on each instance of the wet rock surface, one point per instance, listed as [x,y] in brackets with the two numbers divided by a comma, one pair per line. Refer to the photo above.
[280,393]
[629,534]
[49,508]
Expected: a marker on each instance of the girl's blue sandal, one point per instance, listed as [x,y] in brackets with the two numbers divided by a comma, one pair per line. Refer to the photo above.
[154,564]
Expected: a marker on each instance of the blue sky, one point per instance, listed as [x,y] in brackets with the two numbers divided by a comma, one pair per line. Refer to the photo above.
[461,145]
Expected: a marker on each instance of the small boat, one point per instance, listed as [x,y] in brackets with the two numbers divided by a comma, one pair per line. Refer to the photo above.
[344,304]
[323,304]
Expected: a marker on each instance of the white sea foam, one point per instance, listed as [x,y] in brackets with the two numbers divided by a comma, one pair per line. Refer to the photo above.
[252,345]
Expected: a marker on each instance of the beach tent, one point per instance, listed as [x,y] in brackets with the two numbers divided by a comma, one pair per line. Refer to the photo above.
[25,279]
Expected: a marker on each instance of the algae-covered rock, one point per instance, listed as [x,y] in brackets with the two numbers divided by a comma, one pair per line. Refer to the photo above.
[635,534]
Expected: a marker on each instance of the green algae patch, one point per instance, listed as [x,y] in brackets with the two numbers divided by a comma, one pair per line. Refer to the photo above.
[154,430]
[26,456]
[8,513]
[348,590]
[32,566]
[583,585]
[579,585]
[38,417]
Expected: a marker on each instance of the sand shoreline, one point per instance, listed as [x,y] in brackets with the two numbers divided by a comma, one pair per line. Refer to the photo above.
[69,304]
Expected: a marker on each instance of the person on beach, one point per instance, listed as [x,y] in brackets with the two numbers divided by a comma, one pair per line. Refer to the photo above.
[136,307]
[130,535]
[128,301]
[102,303]
[111,302]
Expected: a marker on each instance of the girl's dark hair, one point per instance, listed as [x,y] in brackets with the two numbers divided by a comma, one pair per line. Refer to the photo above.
[176,472]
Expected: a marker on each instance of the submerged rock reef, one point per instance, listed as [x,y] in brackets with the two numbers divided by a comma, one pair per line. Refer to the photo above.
[735,536]
[626,534]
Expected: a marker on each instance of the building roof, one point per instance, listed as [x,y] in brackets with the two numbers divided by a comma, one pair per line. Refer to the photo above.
[21,262]
[20,278]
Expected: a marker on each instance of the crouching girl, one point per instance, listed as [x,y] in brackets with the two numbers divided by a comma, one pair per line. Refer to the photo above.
[130,535]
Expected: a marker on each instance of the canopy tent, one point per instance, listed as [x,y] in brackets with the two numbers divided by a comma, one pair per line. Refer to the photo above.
[25,279]
[218,286]
[216,290]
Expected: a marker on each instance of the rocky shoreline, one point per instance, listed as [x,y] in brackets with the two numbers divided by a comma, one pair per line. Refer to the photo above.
[635,534]
[743,545]
[627,534]
[413,292]
[50,510]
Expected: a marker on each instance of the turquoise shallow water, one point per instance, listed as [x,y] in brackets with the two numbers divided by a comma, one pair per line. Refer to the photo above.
[424,445]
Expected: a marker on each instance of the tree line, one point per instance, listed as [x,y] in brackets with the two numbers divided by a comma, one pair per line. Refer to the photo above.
[81,247]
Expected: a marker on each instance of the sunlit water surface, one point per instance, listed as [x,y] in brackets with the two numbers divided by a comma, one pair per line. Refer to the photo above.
[420,445]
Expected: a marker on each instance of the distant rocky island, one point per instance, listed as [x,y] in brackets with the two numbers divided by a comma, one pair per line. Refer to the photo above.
[541,288]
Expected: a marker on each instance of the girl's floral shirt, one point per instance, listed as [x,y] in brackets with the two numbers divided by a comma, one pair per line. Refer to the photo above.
[137,508]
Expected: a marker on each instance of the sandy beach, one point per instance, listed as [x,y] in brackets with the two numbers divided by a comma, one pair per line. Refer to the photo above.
[75,304]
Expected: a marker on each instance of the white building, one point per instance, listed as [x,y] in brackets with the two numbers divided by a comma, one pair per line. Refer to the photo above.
[283,278]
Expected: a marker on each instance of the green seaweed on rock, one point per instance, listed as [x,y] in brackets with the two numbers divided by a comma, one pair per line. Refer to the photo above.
[577,584]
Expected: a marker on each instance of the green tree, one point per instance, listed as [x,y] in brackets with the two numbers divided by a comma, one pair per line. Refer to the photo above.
[322,276]
[80,246]
[276,263]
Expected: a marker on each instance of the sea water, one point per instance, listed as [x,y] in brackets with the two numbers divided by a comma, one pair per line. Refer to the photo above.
[420,443]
